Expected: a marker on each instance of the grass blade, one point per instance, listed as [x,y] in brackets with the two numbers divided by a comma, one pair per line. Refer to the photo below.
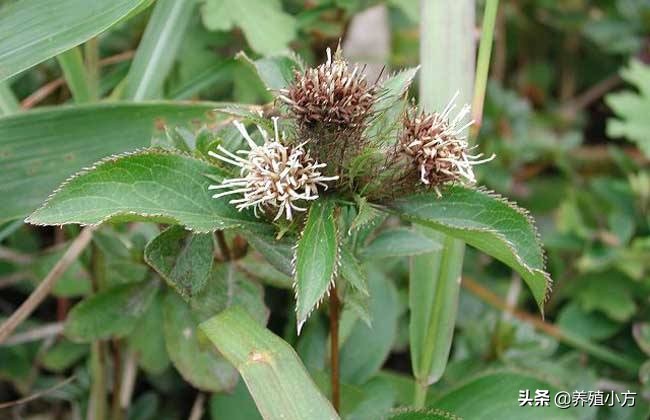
[446,55]
[74,71]
[34,30]
[158,48]
[8,102]
[274,375]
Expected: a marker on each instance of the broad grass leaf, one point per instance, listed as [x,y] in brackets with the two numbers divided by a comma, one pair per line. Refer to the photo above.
[495,396]
[273,372]
[35,30]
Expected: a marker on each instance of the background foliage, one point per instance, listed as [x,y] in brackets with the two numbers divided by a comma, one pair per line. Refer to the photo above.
[566,114]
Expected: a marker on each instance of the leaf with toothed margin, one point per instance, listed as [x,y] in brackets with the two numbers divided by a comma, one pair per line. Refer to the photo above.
[316,258]
[153,185]
[276,72]
[488,222]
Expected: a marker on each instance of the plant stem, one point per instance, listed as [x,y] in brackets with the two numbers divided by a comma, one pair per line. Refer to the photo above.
[97,403]
[483,64]
[335,310]
[447,54]
[223,246]
[76,75]
[116,409]
[420,394]
[91,50]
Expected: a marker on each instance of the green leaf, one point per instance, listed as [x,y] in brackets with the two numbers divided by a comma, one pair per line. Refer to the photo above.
[63,355]
[201,367]
[237,404]
[589,325]
[74,281]
[277,252]
[487,222]
[315,259]
[276,72]
[8,101]
[150,184]
[110,313]
[272,370]
[399,242]
[182,258]
[495,395]
[366,214]
[157,49]
[352,271]
[40,149]
[366,348]
[35,30]
[632,108]
[227,287]
[597,292]
[147,340]
[268,29]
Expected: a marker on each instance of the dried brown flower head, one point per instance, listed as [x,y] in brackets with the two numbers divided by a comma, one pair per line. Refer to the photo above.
[436,146]
[331,95]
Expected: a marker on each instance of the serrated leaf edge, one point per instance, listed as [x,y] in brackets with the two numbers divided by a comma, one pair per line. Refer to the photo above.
[337,264]
[111,159]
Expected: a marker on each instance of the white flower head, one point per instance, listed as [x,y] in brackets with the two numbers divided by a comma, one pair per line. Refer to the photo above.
[272,175]
[438,146]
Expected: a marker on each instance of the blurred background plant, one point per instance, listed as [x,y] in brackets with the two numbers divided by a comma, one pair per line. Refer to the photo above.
[566,112]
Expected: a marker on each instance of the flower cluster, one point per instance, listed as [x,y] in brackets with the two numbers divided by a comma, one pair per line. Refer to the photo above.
[330,94]
[437,147]
[272,175]
[332,108]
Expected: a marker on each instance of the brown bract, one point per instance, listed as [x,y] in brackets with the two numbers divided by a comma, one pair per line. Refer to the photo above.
[332,95]
[432,152]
